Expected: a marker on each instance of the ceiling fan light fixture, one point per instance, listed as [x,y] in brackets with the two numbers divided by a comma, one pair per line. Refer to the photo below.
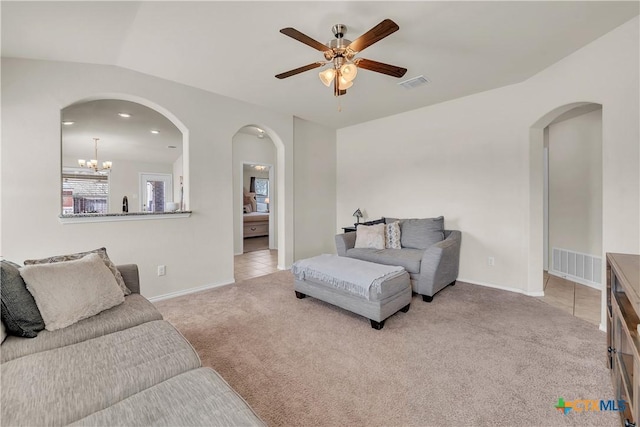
[348,72]
[326,76]
[344,84]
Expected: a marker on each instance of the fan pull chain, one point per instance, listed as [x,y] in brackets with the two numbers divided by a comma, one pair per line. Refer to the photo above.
[339,104]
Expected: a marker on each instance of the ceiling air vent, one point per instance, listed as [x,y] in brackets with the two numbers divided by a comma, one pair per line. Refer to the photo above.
[414,82]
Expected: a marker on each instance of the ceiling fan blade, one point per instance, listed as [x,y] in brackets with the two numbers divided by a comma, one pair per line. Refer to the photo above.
[379,67]
[299,70]
[375,34]
[303,38]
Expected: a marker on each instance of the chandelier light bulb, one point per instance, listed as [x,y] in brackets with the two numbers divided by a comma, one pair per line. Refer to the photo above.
[348,72]
[93,163]
[326,76]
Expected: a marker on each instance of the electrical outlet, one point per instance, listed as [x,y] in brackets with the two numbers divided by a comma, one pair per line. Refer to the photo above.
[491,261]
[162,270]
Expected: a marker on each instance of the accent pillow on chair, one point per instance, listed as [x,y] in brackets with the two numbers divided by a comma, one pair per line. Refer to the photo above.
[69,291]
[20,314]
[370,236]
[102,252]
[392,236]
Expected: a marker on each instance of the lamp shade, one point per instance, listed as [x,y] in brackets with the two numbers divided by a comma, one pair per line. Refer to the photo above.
[348,72]
[326,76]
[344,84]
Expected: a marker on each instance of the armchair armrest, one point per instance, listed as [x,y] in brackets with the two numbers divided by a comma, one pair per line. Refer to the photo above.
[345,242]
[131,277]
[440,264]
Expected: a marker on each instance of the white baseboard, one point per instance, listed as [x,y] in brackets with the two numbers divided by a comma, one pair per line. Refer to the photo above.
[279,267]
[191,290]
[503,288]
[576,279]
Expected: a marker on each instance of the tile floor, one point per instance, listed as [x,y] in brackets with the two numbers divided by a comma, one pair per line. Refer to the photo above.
[254,264]
[574,298]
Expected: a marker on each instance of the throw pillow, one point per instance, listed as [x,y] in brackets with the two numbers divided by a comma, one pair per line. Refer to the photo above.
[370,236]
[69,291]
[421,233]
[392,236]
[102,252]
[20,314]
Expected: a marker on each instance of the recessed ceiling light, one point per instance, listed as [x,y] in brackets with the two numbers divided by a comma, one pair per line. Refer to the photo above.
[155,132]
[67,123]
[171,146]
[124,115]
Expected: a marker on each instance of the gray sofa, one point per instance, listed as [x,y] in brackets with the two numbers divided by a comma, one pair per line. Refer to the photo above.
[430,269]
[124,366]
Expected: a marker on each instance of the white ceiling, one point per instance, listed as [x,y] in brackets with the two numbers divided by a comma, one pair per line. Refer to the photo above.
[120,138]
[235,49]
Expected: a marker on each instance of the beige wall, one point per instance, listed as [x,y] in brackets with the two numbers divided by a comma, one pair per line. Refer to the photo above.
[469,160]
[315,188]
[197,251]
[575,184]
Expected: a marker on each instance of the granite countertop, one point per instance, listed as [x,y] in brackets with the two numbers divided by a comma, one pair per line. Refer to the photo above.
[122,214]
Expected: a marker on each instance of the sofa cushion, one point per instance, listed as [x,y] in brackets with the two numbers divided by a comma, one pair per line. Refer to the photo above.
[135,310]
[20,313]
[408,258]
[420,233]
[102,252]
[91,375]
[67,292]
[196,398]
[370,236]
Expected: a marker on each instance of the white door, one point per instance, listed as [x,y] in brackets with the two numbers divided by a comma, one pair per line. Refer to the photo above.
[155,190]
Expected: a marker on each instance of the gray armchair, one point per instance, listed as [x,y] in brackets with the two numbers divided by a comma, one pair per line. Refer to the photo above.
[430,269]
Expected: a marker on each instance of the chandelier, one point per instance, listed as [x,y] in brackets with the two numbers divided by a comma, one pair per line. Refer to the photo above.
[93,163]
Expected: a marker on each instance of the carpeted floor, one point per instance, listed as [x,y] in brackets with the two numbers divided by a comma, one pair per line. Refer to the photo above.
[475,356]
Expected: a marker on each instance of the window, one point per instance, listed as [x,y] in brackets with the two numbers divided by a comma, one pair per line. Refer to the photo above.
[262,194]
[84,192]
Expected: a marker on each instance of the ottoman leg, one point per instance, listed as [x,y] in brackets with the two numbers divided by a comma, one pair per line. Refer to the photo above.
[300,295]
[427,298]
[405,308]
[452,283]
[377,325]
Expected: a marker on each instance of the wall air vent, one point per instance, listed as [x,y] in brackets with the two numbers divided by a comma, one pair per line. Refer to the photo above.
[414,82]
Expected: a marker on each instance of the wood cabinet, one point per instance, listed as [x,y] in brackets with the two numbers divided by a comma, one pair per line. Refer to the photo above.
[623,352]
[256,228]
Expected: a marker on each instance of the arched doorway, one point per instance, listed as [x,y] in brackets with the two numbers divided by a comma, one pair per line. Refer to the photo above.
[257,202]
[569,265]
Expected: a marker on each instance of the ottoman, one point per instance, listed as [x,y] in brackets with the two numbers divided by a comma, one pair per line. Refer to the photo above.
[394,292]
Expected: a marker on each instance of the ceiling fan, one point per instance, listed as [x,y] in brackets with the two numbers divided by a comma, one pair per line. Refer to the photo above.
[340,53]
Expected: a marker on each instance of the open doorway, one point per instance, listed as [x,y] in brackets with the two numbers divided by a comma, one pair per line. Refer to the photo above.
[572,206]
[255,203]
[257,226]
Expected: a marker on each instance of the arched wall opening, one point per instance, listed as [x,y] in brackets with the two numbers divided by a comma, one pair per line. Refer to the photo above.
[277,204]
[164,112]
[537,252]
